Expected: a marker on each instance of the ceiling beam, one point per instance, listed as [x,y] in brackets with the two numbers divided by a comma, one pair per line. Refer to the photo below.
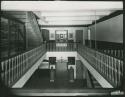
[67,23]
[60,5]
[87,18]
[75,13]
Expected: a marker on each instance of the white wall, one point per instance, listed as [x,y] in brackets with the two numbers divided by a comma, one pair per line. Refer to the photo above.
[110,30]
[72,30]
[62,55]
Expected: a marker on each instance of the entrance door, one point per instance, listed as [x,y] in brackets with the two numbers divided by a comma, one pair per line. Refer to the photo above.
[61,70]
[79,36]
[45,34]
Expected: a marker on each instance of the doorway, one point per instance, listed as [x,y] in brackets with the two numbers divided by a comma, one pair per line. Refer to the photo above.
[79,36]
[61,36]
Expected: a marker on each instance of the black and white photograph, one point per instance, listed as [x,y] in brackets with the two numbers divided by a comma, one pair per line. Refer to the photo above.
[62,48]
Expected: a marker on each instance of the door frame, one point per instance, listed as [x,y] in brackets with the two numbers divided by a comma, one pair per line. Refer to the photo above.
[61,30]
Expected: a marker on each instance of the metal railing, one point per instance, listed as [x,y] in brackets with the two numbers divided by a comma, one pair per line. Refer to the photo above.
[13,68]
[109,67]
[67,46]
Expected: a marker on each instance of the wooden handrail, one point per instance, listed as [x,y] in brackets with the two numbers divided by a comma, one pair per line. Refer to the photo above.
[66,92]
[13,68]
[109,67]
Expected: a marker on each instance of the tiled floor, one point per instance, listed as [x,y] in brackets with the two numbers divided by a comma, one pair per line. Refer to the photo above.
[41,80]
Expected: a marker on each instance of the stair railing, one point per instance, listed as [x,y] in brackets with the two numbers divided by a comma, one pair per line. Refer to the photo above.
[12,69]
[109,67]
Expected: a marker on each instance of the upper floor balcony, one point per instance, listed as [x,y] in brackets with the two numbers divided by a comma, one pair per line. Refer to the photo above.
[70,50]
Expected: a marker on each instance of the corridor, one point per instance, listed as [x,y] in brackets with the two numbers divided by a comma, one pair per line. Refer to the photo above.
[62,48]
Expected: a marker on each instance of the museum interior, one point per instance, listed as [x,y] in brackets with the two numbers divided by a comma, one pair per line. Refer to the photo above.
[62,48]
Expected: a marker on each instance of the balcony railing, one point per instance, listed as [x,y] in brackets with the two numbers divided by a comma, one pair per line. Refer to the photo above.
[66,46]
[15,67]
[109,67]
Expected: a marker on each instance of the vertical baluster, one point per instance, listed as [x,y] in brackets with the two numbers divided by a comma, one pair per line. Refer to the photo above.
[118,73]
[101,63]
[117,68]
[121,71]
[17,65]
[122,54]
[31,58]
[115,71]
[97,60]
[112,69]
[111,62]
[110,58]
[26,58]
[21,64]
[14,63]
[3,71]
[36,56]
[28,61]
[29,64]
[32,54]
[13,70]
[6,74]
[115,53]
[105,64]
[108,67]
[9,72]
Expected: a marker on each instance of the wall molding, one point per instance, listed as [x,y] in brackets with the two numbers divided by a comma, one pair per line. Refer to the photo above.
[52,26]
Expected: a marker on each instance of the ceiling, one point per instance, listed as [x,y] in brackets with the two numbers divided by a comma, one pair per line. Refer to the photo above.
[65,12]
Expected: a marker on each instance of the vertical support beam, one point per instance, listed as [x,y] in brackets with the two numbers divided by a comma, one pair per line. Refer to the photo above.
[9,41]
[24,37]
[123,47]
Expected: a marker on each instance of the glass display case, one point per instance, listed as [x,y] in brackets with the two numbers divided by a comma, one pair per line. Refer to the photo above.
[12,37]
